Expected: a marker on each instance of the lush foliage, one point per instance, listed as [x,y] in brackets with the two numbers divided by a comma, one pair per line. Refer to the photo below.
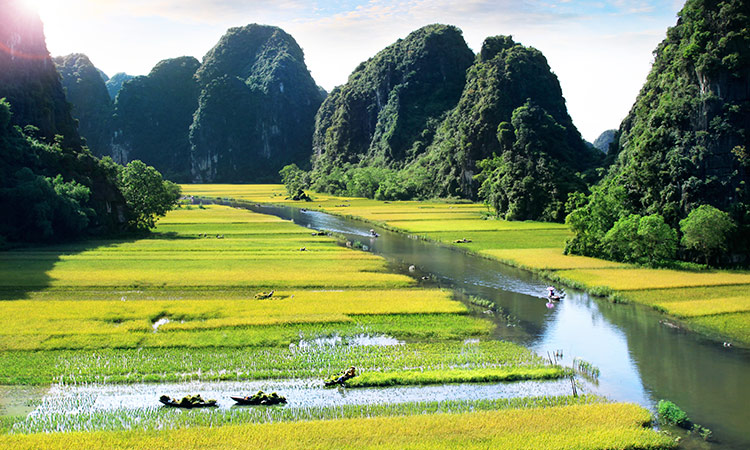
[147,195]
[683,143]
[46,189]
[532,178]
[706,229]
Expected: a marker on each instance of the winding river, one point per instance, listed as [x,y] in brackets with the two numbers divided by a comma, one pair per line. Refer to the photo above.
[641,360]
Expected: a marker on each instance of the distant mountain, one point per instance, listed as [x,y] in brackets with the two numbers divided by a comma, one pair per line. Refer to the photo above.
[92,107]
[28,78]
[389,108]
[256,108]
[115,83]
[604,140]
[153,114]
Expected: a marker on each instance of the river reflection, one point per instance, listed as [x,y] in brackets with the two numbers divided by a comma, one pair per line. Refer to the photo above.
[640,359]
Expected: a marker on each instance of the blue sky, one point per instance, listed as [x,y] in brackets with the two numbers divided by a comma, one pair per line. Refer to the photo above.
[600,50]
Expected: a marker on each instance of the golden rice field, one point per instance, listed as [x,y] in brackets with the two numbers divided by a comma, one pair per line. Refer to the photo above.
[536,247]
[582,427]
[182,304]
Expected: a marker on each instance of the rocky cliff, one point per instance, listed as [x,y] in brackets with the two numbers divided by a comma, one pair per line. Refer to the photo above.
[685,140]
[389,108]
[28,78]
[85,89]
[115,83]
[153,114]
[256,108]
[505,77]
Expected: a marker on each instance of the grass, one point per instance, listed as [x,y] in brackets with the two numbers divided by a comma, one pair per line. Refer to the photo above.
[589,426]
[636,279]
[533,246]
[157,418]
[109,365]
[426,377]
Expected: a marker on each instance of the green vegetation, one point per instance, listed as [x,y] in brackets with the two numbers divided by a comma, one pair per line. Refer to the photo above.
[588,426]
[46,189]
[147,195]
[706,229]
[683,144]
[425,377]
[671,414]
[165,419]
[505,117]
[709,301]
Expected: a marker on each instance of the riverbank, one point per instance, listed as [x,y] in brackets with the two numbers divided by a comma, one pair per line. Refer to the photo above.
[708,302]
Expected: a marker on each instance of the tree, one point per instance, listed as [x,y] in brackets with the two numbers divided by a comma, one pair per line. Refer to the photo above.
[645,240]
[147,195]
[706,230]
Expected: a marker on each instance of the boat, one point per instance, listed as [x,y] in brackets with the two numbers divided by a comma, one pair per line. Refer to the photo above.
[261,398]
[188,401]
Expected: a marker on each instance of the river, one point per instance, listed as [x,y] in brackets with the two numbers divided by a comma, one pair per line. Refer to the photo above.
[641,360]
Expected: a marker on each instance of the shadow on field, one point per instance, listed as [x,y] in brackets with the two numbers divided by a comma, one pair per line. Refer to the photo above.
[24,271]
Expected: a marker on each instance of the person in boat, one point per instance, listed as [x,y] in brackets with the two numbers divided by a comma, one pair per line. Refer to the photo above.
[351,372]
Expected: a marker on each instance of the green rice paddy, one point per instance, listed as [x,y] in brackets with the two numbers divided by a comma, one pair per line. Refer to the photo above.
[182,305]
[538,247]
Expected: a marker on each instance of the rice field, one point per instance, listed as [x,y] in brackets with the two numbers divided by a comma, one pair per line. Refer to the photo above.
[589,426]
[222,294]
[536,247]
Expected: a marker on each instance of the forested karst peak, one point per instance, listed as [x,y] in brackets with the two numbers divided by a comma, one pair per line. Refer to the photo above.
[153,114]
[86,90]
[256,108]
[28,78]
[387,111]
[684,143]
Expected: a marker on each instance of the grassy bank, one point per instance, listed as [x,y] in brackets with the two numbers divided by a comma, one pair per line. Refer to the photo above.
[711,301]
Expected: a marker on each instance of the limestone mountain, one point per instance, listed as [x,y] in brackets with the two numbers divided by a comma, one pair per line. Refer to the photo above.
[511,109]
[114,84]
[92,106]
[604,140]
[28,78]
[256,108]
[50,187]
[389,108]
[685,142]
[153,114]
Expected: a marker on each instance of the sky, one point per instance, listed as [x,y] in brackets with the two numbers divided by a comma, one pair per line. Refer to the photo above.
[601,50]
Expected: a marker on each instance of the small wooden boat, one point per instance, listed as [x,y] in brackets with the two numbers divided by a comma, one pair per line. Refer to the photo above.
[261,398]
[189,401]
